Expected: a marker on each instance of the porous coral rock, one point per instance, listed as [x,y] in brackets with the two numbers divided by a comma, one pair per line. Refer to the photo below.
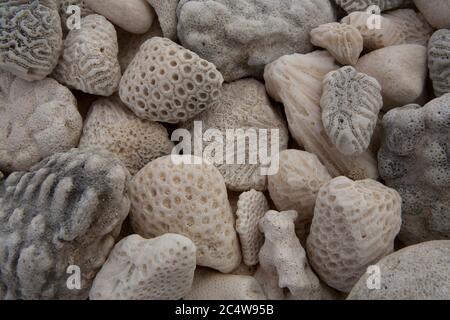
[89,62]
[64,213]
[167,14]
[362,5]
[296,81]
[284,272]
[30,37]
[241,36]
[414,160]
[439,61]
[168,195]
[37,119]
[354,225]
[436,12]
[166,82]
[350,105]
[161,268]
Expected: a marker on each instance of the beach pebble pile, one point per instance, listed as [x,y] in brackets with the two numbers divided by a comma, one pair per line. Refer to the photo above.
[99,201]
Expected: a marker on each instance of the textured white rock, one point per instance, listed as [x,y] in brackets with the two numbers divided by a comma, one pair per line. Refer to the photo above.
[188,199]
[166,82]
[419,272]
[439,61]
[296,81]
[30,37]
[112,126]
[37,119]
[212,285]
[67,211]
[251,207]
[436,12]
[354,225]
[401,70]
[350,105]
[343,41]
[362,5]
[161,268]
[284,272]
[167,14]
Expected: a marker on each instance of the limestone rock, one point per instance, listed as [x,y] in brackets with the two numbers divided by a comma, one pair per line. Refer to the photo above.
[350,105]
[401,70]
[30,37]
[213,285]
[343,41]
[67,211]
[37,119]
[65,13]
[414,160]
[362,5]
[245,108]
[284,272]
[89,62]
[188,199]
[436,12]
[354,225]
[147,269]
[112,126]
[166,82]
[167,14]
[241,36]
[296,81]
[439,61]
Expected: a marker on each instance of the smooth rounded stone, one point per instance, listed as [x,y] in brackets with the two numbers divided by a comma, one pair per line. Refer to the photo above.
[296,184]
[212,285]
[244,106]
[63,214]
[296,81]
[439,61]
[419,272]
[354,225]
[363,5]
[30,37]
[188,199]
[135,16]
[251,207]
[161,268]
[401,70]
[168,83]
[350,105]
[413,160]
[89,62]
[284,272]
[167,14]
[112,126]
[37,119]
[66,14]
[437,12]
[343,41]
[241,36]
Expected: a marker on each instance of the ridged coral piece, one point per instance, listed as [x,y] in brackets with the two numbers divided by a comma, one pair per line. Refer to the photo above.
[362,5]
[161,268]
[66,211]
[354,225]
[167,14]
[30,37]
[89,62]
[350,105]
[439,61]
[166,82]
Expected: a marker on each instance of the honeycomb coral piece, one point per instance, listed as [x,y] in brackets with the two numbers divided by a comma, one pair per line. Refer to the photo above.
[414,160]
[167,14]
[362,5]
[188,199]
[251,207]
[296,184]
[67,211]
[284,272]
[296,81]
[65,13]
[30,37]
[146,269]
[89,62]
[350,105]
[213,285]
[343,41]
[439,61]
[112,126]
[166,82]
[243,107]
[354,225]
[37,119]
